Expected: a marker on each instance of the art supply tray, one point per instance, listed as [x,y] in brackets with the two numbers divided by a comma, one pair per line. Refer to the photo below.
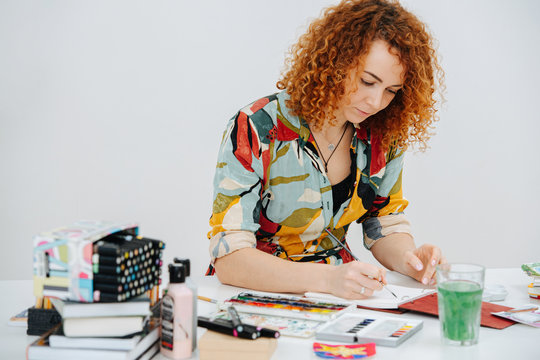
[352,327]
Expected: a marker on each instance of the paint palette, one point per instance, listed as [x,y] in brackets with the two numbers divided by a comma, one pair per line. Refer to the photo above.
[360,328]
[286,305]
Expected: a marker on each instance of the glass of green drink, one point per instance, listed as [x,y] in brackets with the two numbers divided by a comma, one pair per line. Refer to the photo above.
[459,292]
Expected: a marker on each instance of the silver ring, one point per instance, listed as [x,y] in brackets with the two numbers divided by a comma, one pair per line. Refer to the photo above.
[362,290]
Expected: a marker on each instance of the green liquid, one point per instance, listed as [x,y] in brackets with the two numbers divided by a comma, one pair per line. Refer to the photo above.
[459,309]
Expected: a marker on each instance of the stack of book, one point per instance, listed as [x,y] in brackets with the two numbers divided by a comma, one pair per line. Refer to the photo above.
[119,330]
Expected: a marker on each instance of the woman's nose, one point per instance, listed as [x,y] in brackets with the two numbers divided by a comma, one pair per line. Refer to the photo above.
[375,100]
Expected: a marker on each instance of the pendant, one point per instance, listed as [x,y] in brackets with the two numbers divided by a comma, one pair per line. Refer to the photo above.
[331,147]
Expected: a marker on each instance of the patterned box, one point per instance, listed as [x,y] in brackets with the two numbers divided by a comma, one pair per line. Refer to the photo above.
[63,258]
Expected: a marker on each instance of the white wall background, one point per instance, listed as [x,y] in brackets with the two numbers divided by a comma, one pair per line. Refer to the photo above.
[114,110]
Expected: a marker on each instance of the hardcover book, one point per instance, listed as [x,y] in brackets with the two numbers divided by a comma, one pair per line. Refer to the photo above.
[145,349]
[59,340]
[139,306]
[103,326]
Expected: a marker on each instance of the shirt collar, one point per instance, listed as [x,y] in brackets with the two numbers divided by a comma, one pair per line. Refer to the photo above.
[291,127]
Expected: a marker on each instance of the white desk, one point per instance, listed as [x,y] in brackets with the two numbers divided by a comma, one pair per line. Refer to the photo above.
[515,342]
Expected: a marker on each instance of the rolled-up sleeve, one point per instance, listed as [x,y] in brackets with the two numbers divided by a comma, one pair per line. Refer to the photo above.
[237,187]
[378,227]
[390,218]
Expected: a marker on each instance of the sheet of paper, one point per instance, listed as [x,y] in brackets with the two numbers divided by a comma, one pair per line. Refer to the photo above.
[380,299]
[521,315]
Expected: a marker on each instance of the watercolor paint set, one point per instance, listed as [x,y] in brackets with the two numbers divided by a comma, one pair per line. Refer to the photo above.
[361,328]
[285,305]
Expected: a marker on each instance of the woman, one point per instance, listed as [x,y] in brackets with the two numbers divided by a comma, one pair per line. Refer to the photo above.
[325,152]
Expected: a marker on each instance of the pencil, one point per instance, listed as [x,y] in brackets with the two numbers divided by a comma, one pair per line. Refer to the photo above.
[204,298]
[523,310]
[39,302]
[355,258]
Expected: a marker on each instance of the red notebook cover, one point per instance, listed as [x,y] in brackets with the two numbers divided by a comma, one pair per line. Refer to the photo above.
[428,304]
[391,311]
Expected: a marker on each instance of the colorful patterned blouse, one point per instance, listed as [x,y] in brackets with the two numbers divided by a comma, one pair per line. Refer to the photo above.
[271,190]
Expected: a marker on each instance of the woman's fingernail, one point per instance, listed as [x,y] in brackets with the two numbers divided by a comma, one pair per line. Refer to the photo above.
[433,262]
[418,266]
[424,281]
[432,282]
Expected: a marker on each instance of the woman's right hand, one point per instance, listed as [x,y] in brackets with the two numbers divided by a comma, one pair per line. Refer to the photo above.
[355,280]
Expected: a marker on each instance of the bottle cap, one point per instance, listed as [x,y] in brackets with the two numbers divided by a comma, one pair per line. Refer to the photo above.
[176,273]
[186,264]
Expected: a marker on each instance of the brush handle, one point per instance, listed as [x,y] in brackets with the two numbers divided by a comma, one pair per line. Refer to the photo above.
[355,258]
[342,245]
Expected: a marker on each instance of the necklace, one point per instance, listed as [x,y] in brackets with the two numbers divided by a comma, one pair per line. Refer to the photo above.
[331,147]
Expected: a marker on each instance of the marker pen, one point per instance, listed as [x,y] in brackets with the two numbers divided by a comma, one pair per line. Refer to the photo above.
[269,333]
[235,319]
[225,327]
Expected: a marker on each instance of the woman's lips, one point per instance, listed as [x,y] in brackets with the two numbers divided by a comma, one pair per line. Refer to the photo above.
[363,113]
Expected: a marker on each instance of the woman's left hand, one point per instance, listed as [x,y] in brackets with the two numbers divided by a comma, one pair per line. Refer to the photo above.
[422,262]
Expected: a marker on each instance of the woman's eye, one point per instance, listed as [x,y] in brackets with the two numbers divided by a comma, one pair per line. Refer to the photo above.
[393,92]
[367,83]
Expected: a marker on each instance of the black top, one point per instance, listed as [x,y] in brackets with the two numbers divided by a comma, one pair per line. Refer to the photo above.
[343,190]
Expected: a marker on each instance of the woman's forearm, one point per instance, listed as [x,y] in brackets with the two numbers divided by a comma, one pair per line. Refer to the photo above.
[254,269]
[390,251]
[398,252]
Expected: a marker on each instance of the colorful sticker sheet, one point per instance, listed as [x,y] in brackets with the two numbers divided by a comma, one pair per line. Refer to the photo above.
[355,351]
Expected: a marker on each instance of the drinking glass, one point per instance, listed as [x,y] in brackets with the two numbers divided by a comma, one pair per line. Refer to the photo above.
[459,292]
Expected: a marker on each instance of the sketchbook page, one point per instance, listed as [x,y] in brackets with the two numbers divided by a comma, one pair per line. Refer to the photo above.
[380,299]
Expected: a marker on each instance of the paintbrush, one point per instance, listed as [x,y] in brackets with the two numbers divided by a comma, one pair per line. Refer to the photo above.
[533,308]
[204,298]
[355,258]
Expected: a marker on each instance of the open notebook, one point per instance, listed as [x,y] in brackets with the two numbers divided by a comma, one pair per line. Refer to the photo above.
[380,299]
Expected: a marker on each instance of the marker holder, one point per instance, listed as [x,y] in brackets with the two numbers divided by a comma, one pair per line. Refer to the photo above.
[41,320]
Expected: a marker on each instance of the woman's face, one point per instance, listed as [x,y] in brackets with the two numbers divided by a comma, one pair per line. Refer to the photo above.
[377,84]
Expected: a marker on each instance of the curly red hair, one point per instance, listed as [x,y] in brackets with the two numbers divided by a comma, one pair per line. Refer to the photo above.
[337,43]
